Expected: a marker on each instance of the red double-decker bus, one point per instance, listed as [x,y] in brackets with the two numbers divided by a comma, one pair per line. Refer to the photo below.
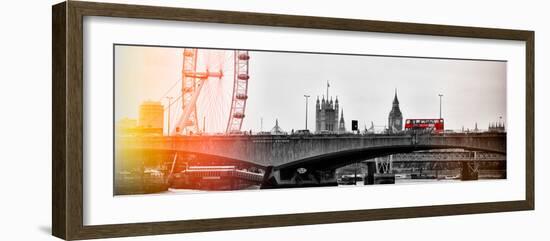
[437,125]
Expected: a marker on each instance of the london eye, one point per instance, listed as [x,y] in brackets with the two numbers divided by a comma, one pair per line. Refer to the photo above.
[213,91]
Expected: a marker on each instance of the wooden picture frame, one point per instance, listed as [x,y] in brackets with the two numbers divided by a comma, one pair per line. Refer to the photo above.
[67,124]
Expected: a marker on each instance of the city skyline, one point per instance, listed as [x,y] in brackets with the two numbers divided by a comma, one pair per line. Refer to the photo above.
[231,94]
[473,91]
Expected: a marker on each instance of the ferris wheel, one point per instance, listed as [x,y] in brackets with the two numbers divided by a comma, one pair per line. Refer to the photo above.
[214,91]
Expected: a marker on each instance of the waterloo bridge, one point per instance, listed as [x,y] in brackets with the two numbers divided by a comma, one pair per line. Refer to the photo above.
[291,160]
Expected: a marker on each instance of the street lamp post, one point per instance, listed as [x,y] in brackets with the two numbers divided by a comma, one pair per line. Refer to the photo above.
[440,96]
[306,97]
[169,107]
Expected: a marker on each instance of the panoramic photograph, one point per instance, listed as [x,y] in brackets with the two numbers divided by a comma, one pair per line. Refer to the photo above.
[191,120]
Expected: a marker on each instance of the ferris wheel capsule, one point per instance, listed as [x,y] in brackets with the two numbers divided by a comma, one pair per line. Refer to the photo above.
[244,56]
[188,53]
[238,115]
[242,96]
[243,76]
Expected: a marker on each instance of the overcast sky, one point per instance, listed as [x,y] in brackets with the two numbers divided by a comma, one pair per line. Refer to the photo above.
[474,91]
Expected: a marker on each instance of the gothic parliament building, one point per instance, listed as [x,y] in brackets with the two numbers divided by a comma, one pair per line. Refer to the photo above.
[326,115]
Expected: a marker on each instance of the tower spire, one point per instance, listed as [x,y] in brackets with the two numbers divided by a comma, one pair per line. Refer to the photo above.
[395,100]
[342,123]
[328,85]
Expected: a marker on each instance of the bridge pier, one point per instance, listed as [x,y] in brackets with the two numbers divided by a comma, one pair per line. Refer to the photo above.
[369,176]
[373,176]
[301,177]
[470,171]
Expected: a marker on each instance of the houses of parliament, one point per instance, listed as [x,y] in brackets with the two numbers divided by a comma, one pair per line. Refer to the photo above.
[329,118]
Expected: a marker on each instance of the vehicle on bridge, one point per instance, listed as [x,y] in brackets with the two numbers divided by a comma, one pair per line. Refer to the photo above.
[301,133]
[435,125]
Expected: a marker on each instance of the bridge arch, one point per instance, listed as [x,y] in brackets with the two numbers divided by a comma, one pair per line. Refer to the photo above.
[334,160]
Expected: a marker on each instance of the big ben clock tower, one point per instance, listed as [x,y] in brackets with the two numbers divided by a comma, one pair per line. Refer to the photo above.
[395,118]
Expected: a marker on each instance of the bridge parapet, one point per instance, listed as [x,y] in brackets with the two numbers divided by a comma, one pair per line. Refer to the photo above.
[447,156]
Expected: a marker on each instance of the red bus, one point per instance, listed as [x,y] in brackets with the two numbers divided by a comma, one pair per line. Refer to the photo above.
[436,125]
